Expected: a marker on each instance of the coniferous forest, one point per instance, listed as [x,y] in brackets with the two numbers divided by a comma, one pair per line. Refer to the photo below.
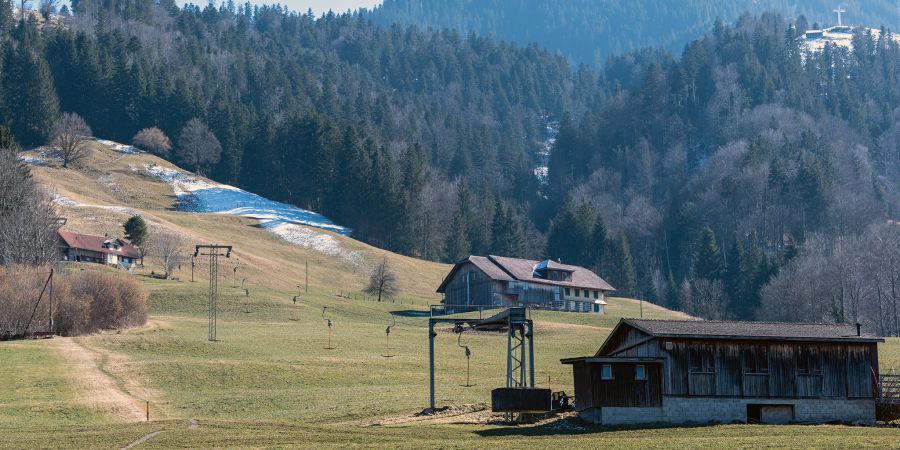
[590,31]
[713,181]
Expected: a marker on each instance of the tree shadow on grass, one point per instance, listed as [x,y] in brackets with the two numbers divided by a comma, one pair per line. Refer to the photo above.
[411,313]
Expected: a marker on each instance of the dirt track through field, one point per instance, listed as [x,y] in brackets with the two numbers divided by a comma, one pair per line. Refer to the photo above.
[96,389]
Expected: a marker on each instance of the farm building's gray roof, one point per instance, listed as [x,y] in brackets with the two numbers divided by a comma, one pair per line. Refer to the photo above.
[489,268]
[754,330]
[502,268]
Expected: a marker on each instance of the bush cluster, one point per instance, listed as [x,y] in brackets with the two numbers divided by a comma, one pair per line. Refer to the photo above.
[83,302]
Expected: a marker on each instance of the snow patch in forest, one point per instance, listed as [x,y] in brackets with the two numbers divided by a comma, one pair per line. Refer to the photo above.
[119,147]
[551,131]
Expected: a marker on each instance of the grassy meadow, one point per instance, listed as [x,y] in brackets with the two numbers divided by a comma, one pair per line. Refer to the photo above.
[270,381]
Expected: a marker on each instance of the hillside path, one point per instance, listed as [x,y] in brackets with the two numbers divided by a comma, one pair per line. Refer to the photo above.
[97,389]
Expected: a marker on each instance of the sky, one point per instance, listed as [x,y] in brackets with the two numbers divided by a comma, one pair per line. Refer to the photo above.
[321,6]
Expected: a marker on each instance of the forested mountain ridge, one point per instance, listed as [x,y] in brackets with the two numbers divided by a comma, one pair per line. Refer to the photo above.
[699,181]
[307,110]
[590,31]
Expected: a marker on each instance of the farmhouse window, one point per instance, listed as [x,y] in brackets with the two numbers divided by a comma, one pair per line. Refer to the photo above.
[701,359]
[568,292]
[606,372]
[640,373]
[577,292]
[596,295]
[756,359]
[555,275]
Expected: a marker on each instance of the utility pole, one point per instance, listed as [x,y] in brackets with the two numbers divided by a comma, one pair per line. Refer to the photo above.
[214,252]
[192,267]
[307,276]
[51,301]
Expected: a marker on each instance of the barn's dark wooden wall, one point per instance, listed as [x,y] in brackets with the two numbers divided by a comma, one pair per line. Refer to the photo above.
[470,286]
[756,368]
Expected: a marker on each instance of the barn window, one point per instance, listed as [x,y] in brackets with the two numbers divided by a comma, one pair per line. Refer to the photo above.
[640,372]
[756,359]
[606,372]
[701,359]
[808,362]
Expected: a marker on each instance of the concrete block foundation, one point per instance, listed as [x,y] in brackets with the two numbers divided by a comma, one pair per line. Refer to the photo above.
[679,410]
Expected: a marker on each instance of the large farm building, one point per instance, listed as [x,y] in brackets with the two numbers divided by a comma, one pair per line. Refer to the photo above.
[497,281]
[680,371]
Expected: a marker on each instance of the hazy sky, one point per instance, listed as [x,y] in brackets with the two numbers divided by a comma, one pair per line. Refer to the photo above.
[321,6]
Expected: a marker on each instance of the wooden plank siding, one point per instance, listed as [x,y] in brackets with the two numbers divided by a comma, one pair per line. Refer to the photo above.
[470,287]
[584,386]
[860,372]
[623,390]
[761,370]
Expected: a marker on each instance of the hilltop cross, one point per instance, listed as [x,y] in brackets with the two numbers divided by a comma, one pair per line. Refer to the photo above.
[839,10]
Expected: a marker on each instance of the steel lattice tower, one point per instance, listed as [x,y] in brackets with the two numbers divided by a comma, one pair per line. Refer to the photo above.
[214,252]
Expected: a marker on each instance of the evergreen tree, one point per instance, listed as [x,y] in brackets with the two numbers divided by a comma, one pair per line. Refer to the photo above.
[707,258]
[570,237]
[620,269]
[597,244]
[732,278]
[135,230]
[507,236]
[30,99]
[413,173]
[754,273]
[457,247]
[671,292]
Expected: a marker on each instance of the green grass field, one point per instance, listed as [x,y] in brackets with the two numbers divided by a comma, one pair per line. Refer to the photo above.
[270,382]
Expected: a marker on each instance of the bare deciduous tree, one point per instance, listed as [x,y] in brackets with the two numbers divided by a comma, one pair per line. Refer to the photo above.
[70,135]
[197,145]
[704,298]
[28,218]
[383,282]
[169,249]
[48,7]
[153,140]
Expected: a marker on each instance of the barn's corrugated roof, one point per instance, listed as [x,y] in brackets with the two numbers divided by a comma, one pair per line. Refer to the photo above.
[739,330]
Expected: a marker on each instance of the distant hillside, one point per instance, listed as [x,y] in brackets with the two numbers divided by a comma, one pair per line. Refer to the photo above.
[271,250]
[589,31]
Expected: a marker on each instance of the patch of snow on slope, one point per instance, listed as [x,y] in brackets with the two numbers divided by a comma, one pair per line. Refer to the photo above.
[69,203]
[33,160]
[119,147]
[64,201]
[320,242]
[196,195]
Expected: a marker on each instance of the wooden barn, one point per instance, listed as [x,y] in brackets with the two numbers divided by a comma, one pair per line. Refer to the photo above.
[680,371]
[497,281]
